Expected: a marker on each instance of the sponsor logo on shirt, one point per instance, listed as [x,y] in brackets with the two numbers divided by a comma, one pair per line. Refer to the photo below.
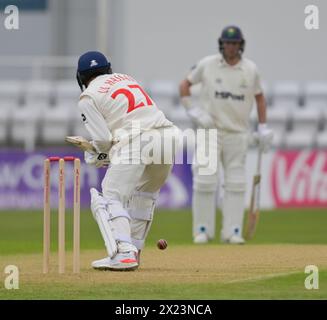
[228,95]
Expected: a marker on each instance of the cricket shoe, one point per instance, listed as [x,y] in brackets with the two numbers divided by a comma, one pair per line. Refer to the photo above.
[125,261]
[234,239]
[201,238]
[102,264]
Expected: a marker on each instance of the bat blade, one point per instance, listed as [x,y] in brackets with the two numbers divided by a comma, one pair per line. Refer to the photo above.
[254,211]
[81,143]
[253,219]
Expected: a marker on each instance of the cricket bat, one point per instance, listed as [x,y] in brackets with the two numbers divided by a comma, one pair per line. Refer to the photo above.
[254,210]
[80,142]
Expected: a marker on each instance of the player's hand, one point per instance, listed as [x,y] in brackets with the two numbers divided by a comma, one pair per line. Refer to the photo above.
[264,137]
[200,118]
[97,159]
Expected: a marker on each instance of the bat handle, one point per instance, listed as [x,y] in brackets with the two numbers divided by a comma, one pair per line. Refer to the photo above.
[259,160]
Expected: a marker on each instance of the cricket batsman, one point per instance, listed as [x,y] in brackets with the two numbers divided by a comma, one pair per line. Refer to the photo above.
[230,85]
[111,106]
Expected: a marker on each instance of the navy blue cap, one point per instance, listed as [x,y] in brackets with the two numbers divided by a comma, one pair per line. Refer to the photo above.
[92,60]
[232,33]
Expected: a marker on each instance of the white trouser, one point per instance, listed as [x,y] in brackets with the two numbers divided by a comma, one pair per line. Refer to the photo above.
[136,186]
[231,151]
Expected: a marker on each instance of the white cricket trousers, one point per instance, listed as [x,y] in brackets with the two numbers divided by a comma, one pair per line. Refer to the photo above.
[134,184]
[228,151]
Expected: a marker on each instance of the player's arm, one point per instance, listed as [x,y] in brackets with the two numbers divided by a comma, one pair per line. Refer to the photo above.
[198,116]
[261,108]
[185,88]
[264,134]
[194,77]
[94,121]
[98,130]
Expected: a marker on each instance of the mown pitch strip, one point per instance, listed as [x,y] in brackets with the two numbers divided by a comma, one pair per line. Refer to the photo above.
[180,272]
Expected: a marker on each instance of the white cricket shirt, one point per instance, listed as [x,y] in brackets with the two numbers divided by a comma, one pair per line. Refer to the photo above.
[115,106]
[228,92]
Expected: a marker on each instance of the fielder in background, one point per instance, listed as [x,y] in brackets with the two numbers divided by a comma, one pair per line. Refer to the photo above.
[116,112]
[230,85]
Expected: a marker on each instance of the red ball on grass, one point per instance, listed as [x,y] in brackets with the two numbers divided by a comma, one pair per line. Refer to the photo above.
[162,244]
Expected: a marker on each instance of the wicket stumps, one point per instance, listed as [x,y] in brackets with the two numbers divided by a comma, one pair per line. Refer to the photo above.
[61,214]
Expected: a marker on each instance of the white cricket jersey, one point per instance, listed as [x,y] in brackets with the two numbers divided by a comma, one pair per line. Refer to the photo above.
[114,106]
[228,92]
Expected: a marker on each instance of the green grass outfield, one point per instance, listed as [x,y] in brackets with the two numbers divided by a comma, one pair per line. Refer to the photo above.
[271,266]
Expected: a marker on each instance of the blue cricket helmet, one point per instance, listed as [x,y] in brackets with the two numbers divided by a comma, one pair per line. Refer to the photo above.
[231,34]
[91,64]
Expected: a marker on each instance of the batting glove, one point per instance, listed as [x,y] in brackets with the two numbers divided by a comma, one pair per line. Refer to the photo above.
[264,137]
[198,116]
[97,159]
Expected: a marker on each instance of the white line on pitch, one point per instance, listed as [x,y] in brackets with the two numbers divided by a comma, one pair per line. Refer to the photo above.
[264,277]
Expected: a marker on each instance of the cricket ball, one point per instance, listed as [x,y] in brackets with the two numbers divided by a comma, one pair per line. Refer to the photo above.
[162,244]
